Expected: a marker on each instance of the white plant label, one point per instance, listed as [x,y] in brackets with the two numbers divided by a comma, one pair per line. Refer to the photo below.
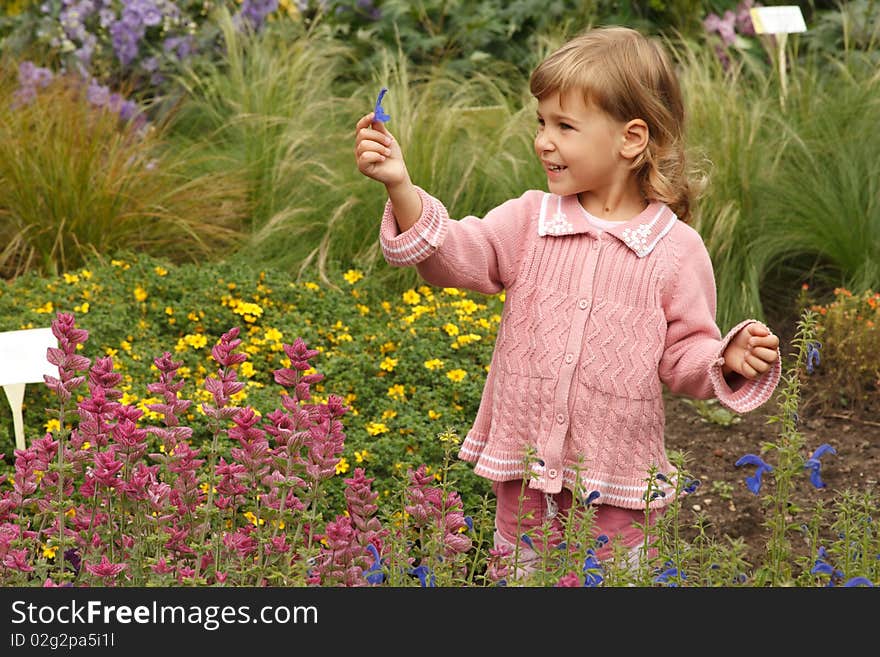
[778,20]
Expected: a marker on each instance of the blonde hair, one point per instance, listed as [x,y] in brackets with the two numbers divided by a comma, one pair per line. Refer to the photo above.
[628,76]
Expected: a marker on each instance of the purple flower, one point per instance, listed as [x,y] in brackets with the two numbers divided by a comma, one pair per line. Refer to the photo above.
[98,94]
[380,114]
[754,482]
[813,464]
[812,355]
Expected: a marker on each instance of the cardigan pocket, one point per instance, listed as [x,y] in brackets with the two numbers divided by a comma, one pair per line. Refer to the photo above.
[534,329]
[622,349]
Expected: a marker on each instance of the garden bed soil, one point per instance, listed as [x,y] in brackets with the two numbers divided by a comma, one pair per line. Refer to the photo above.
[731,507]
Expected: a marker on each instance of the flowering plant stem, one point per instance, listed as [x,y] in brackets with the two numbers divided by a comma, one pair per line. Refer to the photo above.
[790,460]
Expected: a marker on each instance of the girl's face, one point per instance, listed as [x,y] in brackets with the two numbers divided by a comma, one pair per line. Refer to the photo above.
[579,146]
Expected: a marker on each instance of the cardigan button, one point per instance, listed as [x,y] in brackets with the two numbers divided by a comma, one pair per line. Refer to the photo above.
[560,418]
[582,304]
[552,473]
[569,358]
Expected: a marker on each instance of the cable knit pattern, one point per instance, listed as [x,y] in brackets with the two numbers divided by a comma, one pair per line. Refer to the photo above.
[594,324]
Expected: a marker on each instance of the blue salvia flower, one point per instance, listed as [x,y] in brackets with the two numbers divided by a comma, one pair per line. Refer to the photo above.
[469,522]
[374,574]
[380,114]
[592,570]
[823,567]
[594,495]
[601,540]
[812,355]
[422,573]
[671,576]
[691,485]
[525,538]
[858,581]
[754,482]
[813,464]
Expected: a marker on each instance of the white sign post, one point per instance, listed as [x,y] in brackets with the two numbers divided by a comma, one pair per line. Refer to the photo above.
[23,361]
[780,21]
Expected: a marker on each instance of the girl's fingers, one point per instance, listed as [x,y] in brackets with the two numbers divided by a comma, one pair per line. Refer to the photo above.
[765,354]
[369,146]
[756,365]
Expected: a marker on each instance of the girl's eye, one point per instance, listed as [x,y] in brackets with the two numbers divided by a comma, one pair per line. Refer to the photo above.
[541,122]
[565,126]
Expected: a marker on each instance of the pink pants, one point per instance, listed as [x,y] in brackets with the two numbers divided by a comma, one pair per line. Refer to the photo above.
[513,519]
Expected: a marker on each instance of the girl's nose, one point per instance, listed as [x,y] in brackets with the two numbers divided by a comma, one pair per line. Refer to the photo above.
[542,144]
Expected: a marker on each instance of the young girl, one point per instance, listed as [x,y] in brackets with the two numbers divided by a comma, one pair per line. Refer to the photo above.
[609,293]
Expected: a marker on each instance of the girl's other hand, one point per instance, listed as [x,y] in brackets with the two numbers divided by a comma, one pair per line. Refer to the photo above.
[377,153]
[752,351]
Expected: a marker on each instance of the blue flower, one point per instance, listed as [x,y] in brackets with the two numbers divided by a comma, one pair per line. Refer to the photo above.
[594,495]
[814,466]
[469,522]
[691,485]
[754,482]
[527,540]
[812,355]
[374,574]
[671,576]
[601,540]
[859,581]
[822,567]
[422,573]
[380,114]
[592,570]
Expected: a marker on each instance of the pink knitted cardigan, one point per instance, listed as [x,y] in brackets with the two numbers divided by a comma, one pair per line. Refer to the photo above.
[593,324]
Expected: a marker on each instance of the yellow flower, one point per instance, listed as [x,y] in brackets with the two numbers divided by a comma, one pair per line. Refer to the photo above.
[453,291]
[70,279]
[53,425]
[140,294]
[120,263]
[389,414]
[434,364]
[466,306]
[375,428]
[388,346]
[434,415]
[388,364]
[451,329]
[49,551]
[274,335]
[411,297]
[247,369]
[362,309]
[352,276]
[342,466]
[456,375]
[160,271]
[47,308]
[70,513]
[253,519]
[397,391]
[82,308]
[361,456]
[86,274]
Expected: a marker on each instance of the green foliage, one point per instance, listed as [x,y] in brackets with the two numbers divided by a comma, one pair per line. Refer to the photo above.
[75,180]
[712,412]
[465,36]
[848,374]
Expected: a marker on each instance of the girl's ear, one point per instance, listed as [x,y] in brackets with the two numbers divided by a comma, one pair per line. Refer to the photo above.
[635,139]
